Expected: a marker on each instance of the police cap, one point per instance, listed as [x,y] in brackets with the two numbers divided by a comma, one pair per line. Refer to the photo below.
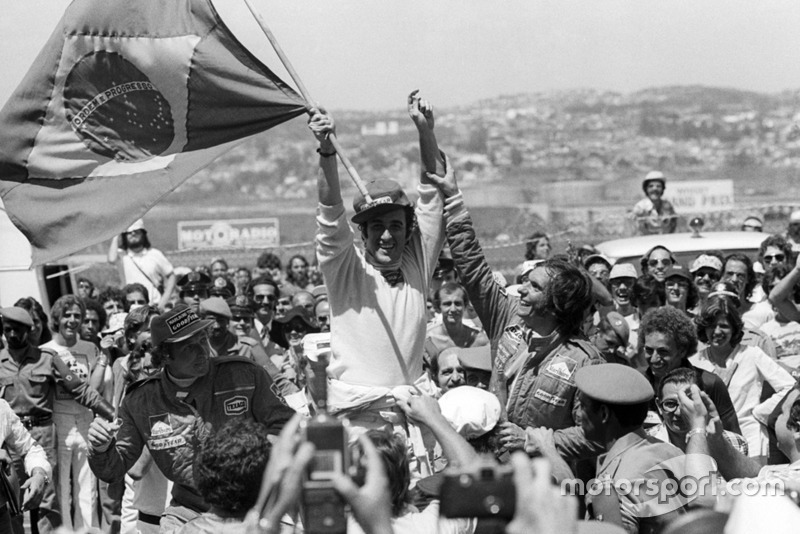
[614,383]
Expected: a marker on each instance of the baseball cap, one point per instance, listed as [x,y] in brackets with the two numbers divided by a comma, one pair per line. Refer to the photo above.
[623,270]
[386,195]
[471,411]
[593,259]
[216,306]
[178,324]
[613,383]
[677,271]
[653,176]
[18,315]
[706,260]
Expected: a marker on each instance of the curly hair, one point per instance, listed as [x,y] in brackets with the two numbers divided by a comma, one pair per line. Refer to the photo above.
[123,240]
[673,323]
[392,448]
[230,463]
[716,309]
[298,280]
[532,242]
[112,293]
[95,306]
[63,304]
[646,258]
[778,242]
[568,295]
[269,260]
[646,288]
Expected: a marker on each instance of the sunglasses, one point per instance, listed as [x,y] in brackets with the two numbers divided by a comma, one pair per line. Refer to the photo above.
[655,263]
[261,298]
[776,257]
[708,274]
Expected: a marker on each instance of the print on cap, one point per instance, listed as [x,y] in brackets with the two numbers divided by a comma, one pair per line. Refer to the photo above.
[178,322]
[116,110]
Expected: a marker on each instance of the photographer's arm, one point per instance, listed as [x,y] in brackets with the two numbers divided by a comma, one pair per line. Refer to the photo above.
[425,410]
[541,507]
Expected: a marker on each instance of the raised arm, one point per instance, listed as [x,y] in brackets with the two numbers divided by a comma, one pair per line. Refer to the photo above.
[113,249]
[781,294]
[421,112]
[322,125]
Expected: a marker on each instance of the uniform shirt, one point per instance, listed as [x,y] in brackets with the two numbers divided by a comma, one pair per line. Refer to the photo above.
[640,460]
[81,359]
[148,267]
[14,435]
[30,386]
[171,421]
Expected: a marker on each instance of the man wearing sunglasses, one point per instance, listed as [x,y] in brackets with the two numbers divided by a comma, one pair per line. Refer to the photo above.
[172,412]
[706,270]
[774,250]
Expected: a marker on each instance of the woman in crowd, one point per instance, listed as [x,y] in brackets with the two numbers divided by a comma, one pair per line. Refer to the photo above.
[538,247]
[742,368]
[656,261]
[39,334]
[680,289]
[297,272]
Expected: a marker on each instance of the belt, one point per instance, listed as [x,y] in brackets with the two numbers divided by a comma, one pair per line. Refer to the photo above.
[30,421]
[149,518]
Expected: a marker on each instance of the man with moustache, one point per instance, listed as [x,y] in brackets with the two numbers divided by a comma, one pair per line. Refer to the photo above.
[174,410]
[536,339]
[264,292]
[654,214]
[29,377]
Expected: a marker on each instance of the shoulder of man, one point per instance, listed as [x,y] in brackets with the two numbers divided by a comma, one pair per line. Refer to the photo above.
[141,383]
[585,348]
[228,360]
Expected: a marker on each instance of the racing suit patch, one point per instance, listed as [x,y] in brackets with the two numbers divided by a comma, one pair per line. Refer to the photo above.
[549,398]
[236,405]
[562,367]
[160,426]
[161,444]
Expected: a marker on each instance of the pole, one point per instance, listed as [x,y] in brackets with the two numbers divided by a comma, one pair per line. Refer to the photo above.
[307,97]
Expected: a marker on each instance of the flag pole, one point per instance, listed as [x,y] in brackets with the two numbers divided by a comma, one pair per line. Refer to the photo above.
[309,101]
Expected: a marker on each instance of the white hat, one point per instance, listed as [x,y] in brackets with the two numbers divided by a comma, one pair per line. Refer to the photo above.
[706,260]
[795,216]
[527,266]
[623,270]
[471,411]
[654,175]
[758,268]
[116,322]
[138,224]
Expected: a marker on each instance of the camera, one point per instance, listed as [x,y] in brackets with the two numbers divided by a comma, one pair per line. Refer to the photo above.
[485,491]
[323,508]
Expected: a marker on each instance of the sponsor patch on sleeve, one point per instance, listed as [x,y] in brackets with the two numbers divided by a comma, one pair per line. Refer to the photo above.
[562,367]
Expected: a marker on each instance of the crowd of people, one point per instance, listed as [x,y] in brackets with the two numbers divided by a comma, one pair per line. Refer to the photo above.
[178,402]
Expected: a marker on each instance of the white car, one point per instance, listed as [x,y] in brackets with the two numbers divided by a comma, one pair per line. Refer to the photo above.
[684,246]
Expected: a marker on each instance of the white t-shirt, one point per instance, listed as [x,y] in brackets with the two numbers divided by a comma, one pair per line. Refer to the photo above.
[148,267]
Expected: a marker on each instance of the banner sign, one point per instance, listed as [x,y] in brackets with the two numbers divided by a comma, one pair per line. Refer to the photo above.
[238,233]
[700,196]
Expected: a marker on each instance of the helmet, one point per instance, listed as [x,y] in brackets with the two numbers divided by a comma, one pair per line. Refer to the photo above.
[654,176]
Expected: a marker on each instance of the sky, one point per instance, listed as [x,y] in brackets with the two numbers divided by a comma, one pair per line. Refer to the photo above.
[368,54]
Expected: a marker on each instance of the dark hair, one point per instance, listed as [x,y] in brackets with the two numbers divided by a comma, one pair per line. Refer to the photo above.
[95,306]
[61,305]
[300,281]
[219,260]
[411,223]
[392,448]
[777,241]
[532,242]
[793,421]
[646,258]
[112,293]
[568,295]
[268,260]
[84,279]
[673,323]
[681,375]
[751,275]
[33,306]
[133,288]
[645,288]
[138,320]
[692,296]
[123,240]
[262,281]
[230,463]
[720,308]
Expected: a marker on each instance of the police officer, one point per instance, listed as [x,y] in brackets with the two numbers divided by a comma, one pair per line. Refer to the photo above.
[222,287]
[173,411]
[635,473]
[28,378]
[223,341]
[194,287]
